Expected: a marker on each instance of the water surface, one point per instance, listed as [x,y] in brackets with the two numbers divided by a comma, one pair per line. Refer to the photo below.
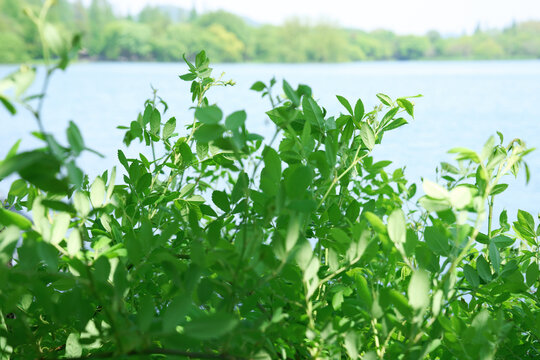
[463,104]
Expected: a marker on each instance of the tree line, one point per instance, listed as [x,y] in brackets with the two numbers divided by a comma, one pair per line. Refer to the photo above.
[164,33]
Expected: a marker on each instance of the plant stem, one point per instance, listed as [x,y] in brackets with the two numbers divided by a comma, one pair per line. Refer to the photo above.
[490,215]
[334,182]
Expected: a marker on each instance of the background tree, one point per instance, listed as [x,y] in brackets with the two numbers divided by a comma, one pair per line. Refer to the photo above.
[175,31]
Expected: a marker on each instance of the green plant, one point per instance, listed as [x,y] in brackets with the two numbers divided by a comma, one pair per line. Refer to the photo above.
[225,247]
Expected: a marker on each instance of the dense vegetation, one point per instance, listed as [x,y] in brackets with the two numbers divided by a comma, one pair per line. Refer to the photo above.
[215,244]
[164,33]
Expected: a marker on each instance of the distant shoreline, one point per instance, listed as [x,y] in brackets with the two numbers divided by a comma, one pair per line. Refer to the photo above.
[427,60]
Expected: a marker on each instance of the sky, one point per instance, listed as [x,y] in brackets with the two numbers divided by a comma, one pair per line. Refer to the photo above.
[451,17]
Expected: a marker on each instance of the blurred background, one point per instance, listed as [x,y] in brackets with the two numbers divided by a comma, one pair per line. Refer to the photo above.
[282,31]
[477,63]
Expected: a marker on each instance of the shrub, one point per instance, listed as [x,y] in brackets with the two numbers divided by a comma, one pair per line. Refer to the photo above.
[224,246]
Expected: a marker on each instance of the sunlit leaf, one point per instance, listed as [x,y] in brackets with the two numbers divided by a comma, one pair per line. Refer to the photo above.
[418,290]
[345,103]
[209,114]
[368,136]
[396,227]
[97,192]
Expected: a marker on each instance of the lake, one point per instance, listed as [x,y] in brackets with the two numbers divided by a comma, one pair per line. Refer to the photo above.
[463,104]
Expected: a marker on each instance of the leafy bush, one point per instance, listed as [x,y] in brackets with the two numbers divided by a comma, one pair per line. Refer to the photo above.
[226,247]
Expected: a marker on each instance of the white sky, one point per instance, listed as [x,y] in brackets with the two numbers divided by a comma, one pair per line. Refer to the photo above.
[401,16]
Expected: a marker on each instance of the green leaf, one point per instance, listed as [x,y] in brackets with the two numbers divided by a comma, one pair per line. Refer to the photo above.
[395,124]
[525,219]
[73,347]
[186,190]
[375,222]
[8,218]
[97,192]
[368,136]
[345,103]
[22,79]
[532,274]
[437,241]
[155,122]
[407,105]
[298,181]
[81,202]
[487,150]
[388,117]
[271,174]
[188,76]
[110,187]
[465,154]
[394,298]
[59,227]
[307,140]
[58,205]
[258,86]
[75,138]
[74,242]
[211,327]
[201,60]
[494,257]
[311,271]
[18,188]
[13,150]
[20,161]
[471,275]
[331,149]
[502,241]
[240,187]
[370,355]
[221,200]
[209,114]
[497,189]
[8,105]
[434,190]
[235,120]
[53,39]
[145,312]
[482,267]
[293,231]
[8,241]
[206,133]
[143,183]
[397,227]
[359,111]
[169,127]
[36,167]
[351,343]
[304,254]
[434,205]
[187,155]
[418,289]
[385,99]
[175,313]
[123,160]
[290,93]
[313,112]
[460,196]
[340,236]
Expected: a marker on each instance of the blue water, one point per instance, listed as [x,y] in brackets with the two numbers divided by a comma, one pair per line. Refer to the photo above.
[463,104]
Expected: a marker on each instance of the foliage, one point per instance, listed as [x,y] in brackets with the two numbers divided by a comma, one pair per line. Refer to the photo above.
[163,33]
[226,247]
